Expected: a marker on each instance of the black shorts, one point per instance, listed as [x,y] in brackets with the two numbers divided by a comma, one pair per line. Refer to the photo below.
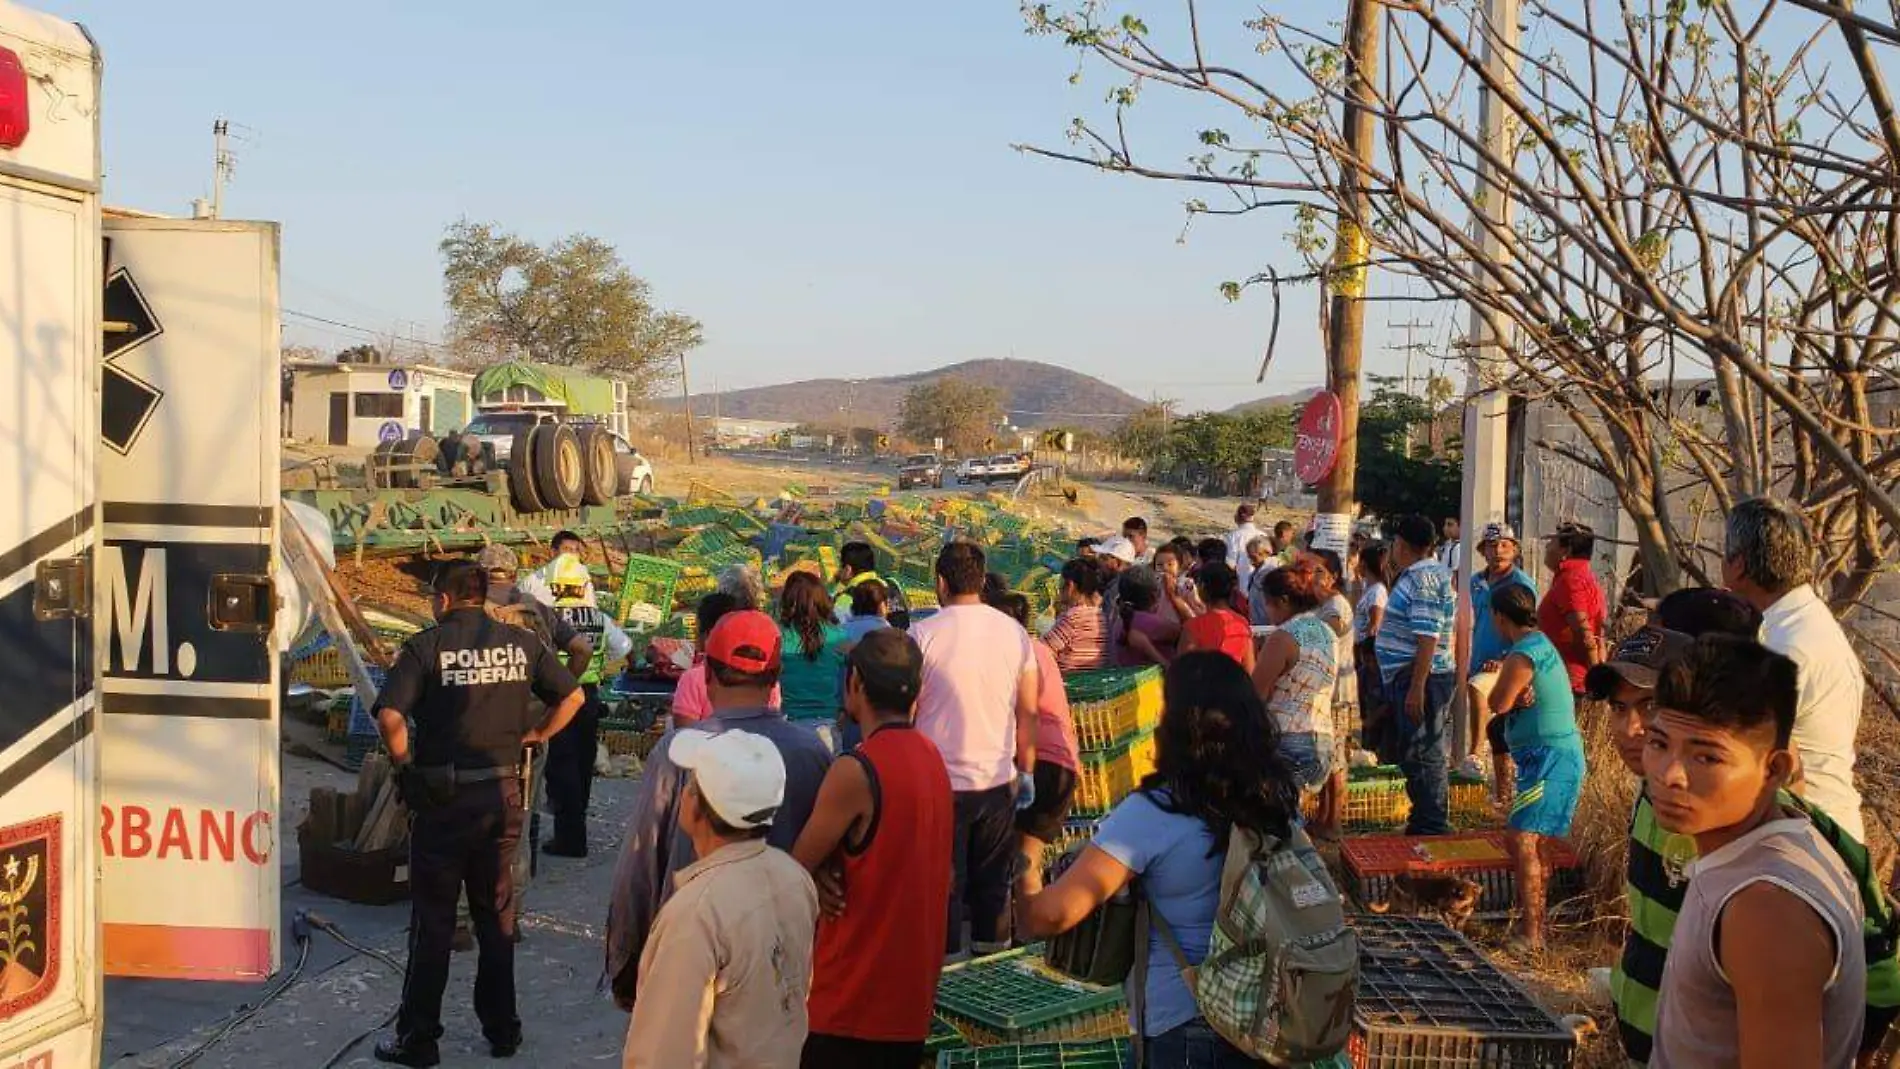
[1055,792]
[843,1052]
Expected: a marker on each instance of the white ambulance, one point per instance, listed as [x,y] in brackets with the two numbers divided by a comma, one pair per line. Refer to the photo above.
[139,416]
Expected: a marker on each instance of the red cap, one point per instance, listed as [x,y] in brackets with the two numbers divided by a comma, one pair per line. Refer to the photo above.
[748,641]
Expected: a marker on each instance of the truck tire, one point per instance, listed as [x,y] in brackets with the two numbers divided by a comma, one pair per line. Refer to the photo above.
[560,469]
[405,464]
[602,476]
[521,484]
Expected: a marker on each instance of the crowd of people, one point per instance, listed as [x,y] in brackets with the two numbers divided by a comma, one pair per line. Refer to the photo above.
[839,771]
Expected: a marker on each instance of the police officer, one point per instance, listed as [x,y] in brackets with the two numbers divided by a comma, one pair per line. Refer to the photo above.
[467,683]
[510,604]
[571,754]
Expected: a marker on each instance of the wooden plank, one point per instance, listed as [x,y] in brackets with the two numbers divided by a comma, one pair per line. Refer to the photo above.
[322,819]
[337,611]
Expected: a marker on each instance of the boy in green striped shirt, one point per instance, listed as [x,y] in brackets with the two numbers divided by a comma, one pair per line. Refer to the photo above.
[1657,879]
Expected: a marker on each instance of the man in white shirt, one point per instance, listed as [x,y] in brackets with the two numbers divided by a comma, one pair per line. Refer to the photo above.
[1769,561]
[1451,551]
[1244,532]
[978,704]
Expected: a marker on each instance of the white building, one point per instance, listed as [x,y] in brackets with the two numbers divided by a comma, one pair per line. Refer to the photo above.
[363,404]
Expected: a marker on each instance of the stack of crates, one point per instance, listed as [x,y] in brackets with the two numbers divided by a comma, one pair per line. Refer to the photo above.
[1014,997]
[1373,862]
[1427,997]
[1115,712]
[319,665]
[1096,1054]
[1470,800]
[1375,799]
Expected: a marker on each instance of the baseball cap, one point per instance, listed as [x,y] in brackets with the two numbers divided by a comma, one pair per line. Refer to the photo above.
[890,661]
[497,558]
[747,640]
[741,775]
[1498,532]
[1117,547]
[1639,660]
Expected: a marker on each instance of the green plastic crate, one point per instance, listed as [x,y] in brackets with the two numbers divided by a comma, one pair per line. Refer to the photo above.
[1106,683]
[943,1036]
[1013,997]
[647,581]
[1099,1054]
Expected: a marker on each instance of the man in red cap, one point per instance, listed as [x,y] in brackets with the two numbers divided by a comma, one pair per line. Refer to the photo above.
[742,667]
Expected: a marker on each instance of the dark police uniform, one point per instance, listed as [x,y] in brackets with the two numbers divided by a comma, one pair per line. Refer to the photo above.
[571,753]
[466,683]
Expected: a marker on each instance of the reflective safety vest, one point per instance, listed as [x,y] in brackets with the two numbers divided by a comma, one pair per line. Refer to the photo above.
[592,623]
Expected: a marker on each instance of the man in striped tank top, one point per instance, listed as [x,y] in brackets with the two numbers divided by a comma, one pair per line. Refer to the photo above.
[882,827]
[1766,965]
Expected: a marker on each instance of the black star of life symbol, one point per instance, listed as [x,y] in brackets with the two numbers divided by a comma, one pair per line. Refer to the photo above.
[126,402]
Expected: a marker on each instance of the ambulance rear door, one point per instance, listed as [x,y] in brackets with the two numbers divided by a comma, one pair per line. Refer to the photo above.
[188,468]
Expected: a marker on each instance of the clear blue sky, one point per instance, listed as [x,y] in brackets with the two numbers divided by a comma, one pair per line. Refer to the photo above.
[829,187]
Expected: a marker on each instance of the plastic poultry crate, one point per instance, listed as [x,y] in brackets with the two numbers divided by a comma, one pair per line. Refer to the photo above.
[1103,723]
[1429,1000]
[651,582]
[1107,776]
[1014,997]
[1073,831]
[1099,1054]
[1372,862]
[943,1036]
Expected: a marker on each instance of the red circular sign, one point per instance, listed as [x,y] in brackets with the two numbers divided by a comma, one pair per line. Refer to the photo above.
[1316,442]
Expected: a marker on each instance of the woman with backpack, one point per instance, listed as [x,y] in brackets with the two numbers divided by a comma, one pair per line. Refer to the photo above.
[1219,779]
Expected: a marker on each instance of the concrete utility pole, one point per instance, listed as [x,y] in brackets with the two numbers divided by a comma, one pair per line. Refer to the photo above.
[686,395]
[222,164]
[1411,348]
[1351,249]
[1486,404]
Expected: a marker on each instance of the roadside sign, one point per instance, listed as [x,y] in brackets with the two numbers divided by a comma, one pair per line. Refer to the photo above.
[937,444]
[399,379]
[1332,530]
[390,431]
[1316,443]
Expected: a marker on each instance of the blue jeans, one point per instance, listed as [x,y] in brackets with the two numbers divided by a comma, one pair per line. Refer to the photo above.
[1310,758]
[1194,1046]
[1422,749]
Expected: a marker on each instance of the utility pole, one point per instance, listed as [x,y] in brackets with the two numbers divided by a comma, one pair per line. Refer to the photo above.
[1411,347]
[223,165]
[686,395]
[1351,249]
[1486,404]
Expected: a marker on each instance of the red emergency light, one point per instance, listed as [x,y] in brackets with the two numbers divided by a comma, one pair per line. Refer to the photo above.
[16,112]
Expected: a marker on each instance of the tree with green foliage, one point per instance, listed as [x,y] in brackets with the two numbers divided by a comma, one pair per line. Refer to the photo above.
[571,303]
[1217,451]
[1395,478]
[965,414]
[1144,435]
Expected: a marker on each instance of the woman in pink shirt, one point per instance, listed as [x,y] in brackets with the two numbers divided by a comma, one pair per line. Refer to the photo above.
[1056,770]
[690,700]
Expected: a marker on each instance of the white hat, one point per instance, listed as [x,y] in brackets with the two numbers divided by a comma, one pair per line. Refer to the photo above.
[1117,547]
[741,775]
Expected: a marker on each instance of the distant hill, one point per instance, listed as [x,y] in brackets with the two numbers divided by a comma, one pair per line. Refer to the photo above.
[1035,394]
[1279,400]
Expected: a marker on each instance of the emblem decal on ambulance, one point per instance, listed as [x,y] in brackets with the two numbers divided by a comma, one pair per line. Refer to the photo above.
[126,402]
[30,870]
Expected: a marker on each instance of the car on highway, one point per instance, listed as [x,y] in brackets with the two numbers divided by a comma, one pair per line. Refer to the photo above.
[633,471]
[921,469]
[973,470]
[1005,467]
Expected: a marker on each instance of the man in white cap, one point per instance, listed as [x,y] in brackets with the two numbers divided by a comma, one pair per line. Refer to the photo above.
[1116,555]
[726,971]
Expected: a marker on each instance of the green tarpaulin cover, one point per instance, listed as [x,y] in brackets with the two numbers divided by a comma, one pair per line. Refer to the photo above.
[583,394]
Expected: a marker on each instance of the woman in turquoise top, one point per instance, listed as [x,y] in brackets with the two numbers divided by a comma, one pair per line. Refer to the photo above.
[811,684]
[1533,701]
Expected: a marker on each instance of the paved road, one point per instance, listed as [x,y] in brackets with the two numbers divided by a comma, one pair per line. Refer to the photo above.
[152,1024]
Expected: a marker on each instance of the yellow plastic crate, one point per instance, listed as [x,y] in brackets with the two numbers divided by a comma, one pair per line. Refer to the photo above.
[1379,803]
[1108,776]
[1073,831]
[322,669]
[1471,804]
[1099,725]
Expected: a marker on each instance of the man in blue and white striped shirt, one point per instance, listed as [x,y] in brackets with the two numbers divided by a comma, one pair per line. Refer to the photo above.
[1414,648]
